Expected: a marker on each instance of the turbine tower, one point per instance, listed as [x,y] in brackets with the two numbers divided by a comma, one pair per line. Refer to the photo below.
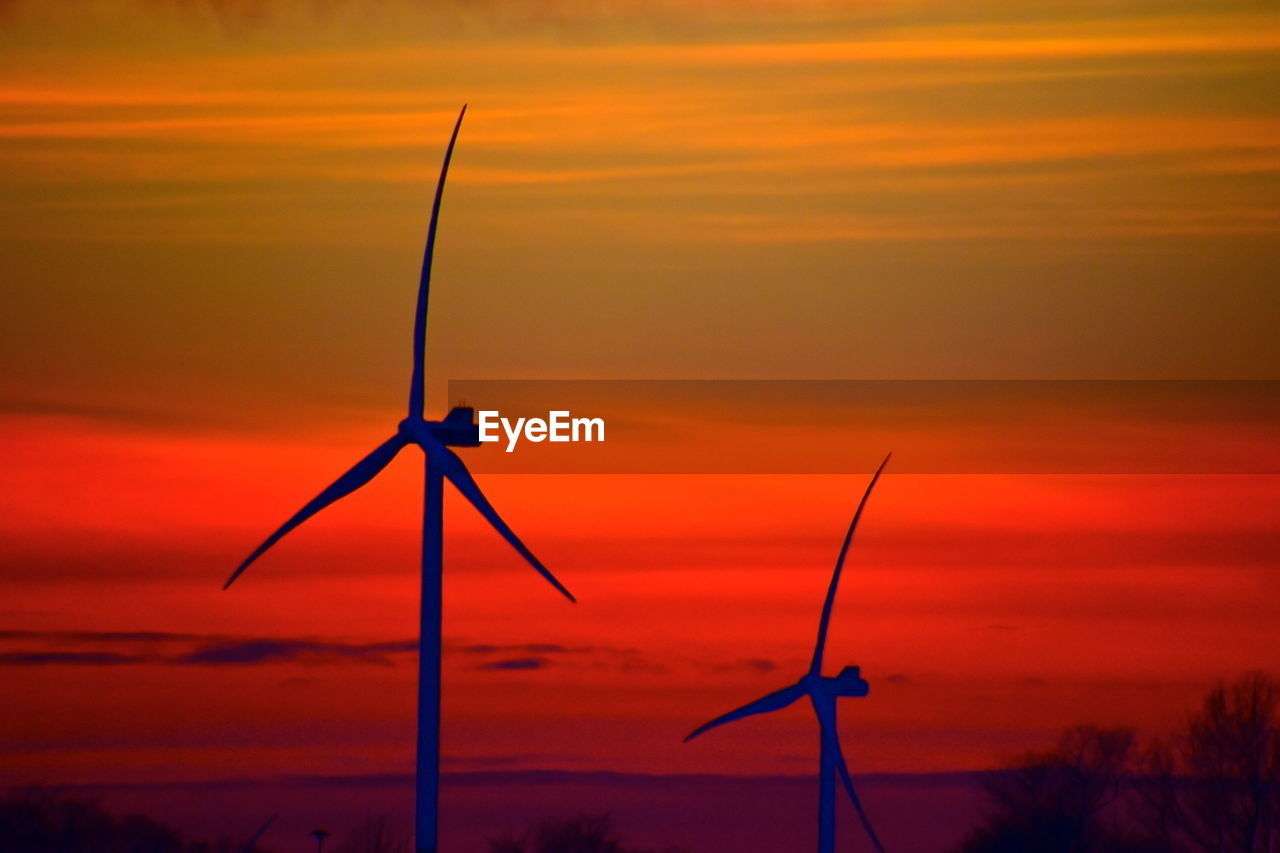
[822,692]
[434,438]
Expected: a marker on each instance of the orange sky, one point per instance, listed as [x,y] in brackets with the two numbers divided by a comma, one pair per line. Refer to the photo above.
[212,218]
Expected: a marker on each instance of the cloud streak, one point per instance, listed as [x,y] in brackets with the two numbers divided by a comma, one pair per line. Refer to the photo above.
[249,652]
[117,648]
[529,657]
[20,648]
[516,664]
[69,658]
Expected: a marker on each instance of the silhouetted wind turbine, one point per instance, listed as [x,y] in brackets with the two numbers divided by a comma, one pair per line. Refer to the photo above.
[458,429]
[822,692]
[319,835]
[250,845]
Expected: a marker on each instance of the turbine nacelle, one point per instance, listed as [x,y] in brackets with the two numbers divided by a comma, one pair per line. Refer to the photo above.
[458,429]
[848,683]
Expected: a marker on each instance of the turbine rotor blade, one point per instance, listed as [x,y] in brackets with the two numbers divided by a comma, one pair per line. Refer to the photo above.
[843,770]
[254,840]
[815,666]
[359,474]
[774,701]
[417,383]
[453,469]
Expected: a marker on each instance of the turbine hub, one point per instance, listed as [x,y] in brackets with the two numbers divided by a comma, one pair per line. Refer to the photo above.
[414,428]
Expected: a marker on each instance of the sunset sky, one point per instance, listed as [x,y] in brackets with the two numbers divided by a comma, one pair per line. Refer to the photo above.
[213,215]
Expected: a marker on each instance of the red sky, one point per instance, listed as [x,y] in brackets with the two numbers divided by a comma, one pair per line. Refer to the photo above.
[987,610]
[212,219]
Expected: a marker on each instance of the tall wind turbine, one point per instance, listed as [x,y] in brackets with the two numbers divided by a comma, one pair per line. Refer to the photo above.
[458,429]
[822,692]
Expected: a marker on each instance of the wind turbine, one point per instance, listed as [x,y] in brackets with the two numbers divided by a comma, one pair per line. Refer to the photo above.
[249,846]
[319,835]
[458,429]
[822,692]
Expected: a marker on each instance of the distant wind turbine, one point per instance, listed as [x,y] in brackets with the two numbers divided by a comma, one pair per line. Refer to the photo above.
[251,844]
[319,835]
[822,692]
[458,429]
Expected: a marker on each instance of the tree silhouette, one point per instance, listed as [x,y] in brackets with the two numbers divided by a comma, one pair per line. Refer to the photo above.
[39,820]
[584,834]
[376,834]
[1054,801]
[1215,786]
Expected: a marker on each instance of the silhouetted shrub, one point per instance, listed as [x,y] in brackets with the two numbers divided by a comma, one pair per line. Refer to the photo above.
[1054,801]
[1215,786]
[585,834]
[38,820]
[377,834]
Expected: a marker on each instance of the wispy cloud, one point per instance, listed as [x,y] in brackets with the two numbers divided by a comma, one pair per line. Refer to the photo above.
[305,651]
[74,658]
[530,648]
[746,665]
[119,648]
[116,648]
[516,664]
[539,656]
[568,18]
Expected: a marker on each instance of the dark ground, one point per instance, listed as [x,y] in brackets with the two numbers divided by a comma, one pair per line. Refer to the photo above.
[705,814]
